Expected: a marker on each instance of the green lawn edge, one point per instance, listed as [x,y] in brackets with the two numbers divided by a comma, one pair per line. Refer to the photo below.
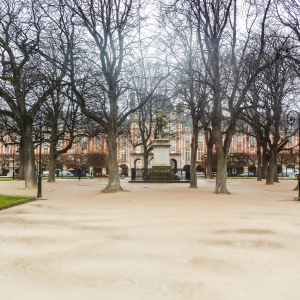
[7,201]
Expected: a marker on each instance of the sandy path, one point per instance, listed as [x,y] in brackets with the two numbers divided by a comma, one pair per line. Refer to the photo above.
[157,241]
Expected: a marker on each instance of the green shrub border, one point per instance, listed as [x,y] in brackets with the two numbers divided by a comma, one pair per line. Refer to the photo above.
[30,199]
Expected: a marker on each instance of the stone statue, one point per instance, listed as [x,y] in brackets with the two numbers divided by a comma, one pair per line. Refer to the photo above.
[161,123]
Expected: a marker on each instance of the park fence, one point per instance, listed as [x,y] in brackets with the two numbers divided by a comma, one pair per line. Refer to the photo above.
[140,174]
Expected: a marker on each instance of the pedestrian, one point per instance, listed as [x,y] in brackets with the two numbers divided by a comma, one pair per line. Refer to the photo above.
[79,173]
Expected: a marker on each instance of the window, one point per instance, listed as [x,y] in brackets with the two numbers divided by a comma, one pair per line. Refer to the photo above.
[251,140]
[123,155]
[199,154]
[123,141]
[6,149]
[239,139]
[173,128]
[138,148]
[187,139]
[187,155]
[173,145]
[200,138]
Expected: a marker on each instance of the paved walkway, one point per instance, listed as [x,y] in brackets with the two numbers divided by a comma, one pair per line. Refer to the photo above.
[156,241]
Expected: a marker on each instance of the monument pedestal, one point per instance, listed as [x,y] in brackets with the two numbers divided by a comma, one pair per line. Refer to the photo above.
[161,167]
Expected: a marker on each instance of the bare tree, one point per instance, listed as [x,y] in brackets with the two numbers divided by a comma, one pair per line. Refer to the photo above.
[142,127]
[227,55]
[22,81]
[100,85]
[62,124]
[189,81]
[268,104]
[287,12]
[143,76]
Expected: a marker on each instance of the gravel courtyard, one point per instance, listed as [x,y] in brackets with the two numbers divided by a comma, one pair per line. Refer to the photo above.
[155,241]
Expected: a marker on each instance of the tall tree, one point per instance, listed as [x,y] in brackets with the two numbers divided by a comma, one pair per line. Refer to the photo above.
[268,101]
[287,12]
[227,55]
[62,124]
[22,82]
[109,28]
[190,84]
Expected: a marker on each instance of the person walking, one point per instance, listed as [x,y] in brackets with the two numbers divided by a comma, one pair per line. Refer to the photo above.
[79,173]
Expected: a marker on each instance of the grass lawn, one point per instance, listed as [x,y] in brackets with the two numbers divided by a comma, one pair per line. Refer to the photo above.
[5,179]
[7,201]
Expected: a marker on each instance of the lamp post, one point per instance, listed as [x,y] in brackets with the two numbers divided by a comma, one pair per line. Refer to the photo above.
[248,165]
[4,163]
[291,121]
[231,164]
[13,173]
[83,158]
[205,156]
[17,151]
[39,192]
[208,155]
[13,159]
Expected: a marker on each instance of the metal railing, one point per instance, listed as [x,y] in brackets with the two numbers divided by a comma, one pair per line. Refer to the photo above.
[142,174]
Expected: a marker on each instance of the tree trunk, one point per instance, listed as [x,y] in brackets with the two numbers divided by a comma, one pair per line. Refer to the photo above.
[209,157]
[259,170]
[270,172]
[194,147]
[221,176]
[113,185]
[264,165]
[21,159]
[145,155]
[29,160]
[275,172]
[52,167]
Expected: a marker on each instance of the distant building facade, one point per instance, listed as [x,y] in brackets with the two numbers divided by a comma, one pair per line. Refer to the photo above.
[86,151]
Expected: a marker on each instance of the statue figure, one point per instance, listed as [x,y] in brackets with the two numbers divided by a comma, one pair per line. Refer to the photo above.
[161,122]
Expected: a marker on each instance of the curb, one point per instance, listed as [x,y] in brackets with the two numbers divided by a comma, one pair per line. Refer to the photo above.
[19,203]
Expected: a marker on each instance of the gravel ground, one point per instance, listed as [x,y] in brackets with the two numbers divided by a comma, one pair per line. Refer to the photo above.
[156,241]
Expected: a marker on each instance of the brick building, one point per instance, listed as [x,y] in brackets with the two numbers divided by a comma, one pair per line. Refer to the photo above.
[86,151]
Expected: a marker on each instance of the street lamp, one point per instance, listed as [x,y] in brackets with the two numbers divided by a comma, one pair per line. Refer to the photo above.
[13,173]
[248,165]
[84,149]
[39,192]
[208,144]
[205,157]
[13,158]
[291,120]
[17,151]
[231,164]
